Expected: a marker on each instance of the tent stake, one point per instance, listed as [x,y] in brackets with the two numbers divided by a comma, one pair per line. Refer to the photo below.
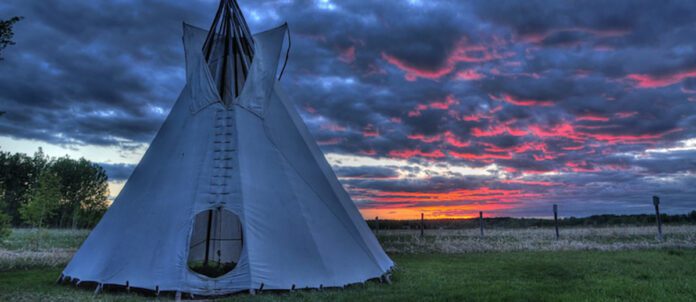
[98,289]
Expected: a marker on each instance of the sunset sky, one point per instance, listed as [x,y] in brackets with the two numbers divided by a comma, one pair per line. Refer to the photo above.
[440,107]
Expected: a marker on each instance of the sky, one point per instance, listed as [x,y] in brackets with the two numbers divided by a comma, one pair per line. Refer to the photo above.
[445,108]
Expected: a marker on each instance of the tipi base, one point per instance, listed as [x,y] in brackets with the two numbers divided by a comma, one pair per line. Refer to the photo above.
[104,288]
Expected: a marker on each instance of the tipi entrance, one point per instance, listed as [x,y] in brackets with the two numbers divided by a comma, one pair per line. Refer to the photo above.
[216,242]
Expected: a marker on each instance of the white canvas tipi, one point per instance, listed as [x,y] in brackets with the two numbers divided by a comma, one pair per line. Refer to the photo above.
[233,193]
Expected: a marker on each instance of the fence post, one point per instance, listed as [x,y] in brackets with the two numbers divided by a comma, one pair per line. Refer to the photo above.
[376,224]
[656,202]
[422,224]
[555,219]
[481,222]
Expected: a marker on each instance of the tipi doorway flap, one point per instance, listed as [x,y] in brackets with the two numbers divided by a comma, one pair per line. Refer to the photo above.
[216,243]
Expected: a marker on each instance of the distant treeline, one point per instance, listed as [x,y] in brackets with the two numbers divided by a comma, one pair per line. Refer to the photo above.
[509,222]
[41,191]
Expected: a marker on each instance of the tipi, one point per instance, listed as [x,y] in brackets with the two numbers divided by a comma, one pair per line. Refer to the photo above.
[233,193]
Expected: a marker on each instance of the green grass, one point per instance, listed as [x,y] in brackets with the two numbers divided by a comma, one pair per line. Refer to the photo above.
[640,275]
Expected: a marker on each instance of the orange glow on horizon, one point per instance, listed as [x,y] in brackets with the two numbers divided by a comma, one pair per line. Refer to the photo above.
[449,212]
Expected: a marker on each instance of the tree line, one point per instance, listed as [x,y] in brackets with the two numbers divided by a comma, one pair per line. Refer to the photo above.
[513,223]
[40,191]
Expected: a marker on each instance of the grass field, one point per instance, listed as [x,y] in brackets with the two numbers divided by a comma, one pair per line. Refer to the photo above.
[621,264]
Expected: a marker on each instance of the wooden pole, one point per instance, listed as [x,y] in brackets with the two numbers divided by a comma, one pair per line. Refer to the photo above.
[207,238]
[555,219]
[376,224]
[481,222]
[656,202]
[422,226]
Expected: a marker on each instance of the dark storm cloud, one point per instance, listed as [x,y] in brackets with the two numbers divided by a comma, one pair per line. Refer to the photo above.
[117,172]
[366,172]
[580,89]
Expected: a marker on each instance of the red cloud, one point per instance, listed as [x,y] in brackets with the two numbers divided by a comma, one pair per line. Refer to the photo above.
[369,152]
[563,130]
[417,111]
[370,131]
[396,120]
[453,140]
[425,139]
[444,105]
[416,153]
[530,182]
[496,130]
[602,33]
[522,102]
[449,137]
[592,118]
[347,55]
[332,127]
[650,81]
[581,166]
[310,109]
[525,171]
[331,141]
[478,194]
[479,115]
[521,148]
[470,75]
[441,105]
[413,73]
[486,157]
[462,52]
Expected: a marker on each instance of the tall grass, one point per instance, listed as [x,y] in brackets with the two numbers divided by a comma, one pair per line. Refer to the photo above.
[57,246]
[538,239]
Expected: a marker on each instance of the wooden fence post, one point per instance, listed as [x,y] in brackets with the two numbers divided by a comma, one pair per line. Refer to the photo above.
[376,224]
[555,219]
[656,202]
[422,224]
[481,222]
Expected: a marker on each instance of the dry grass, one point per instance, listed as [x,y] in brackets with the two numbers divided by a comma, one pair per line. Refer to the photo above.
[27,248]
[541,239]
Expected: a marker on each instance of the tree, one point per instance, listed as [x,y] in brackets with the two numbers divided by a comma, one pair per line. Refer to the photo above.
[84,192]
[83,188]
[43,200]
[18,173]
[4,218]
[4,226]
[6,33]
